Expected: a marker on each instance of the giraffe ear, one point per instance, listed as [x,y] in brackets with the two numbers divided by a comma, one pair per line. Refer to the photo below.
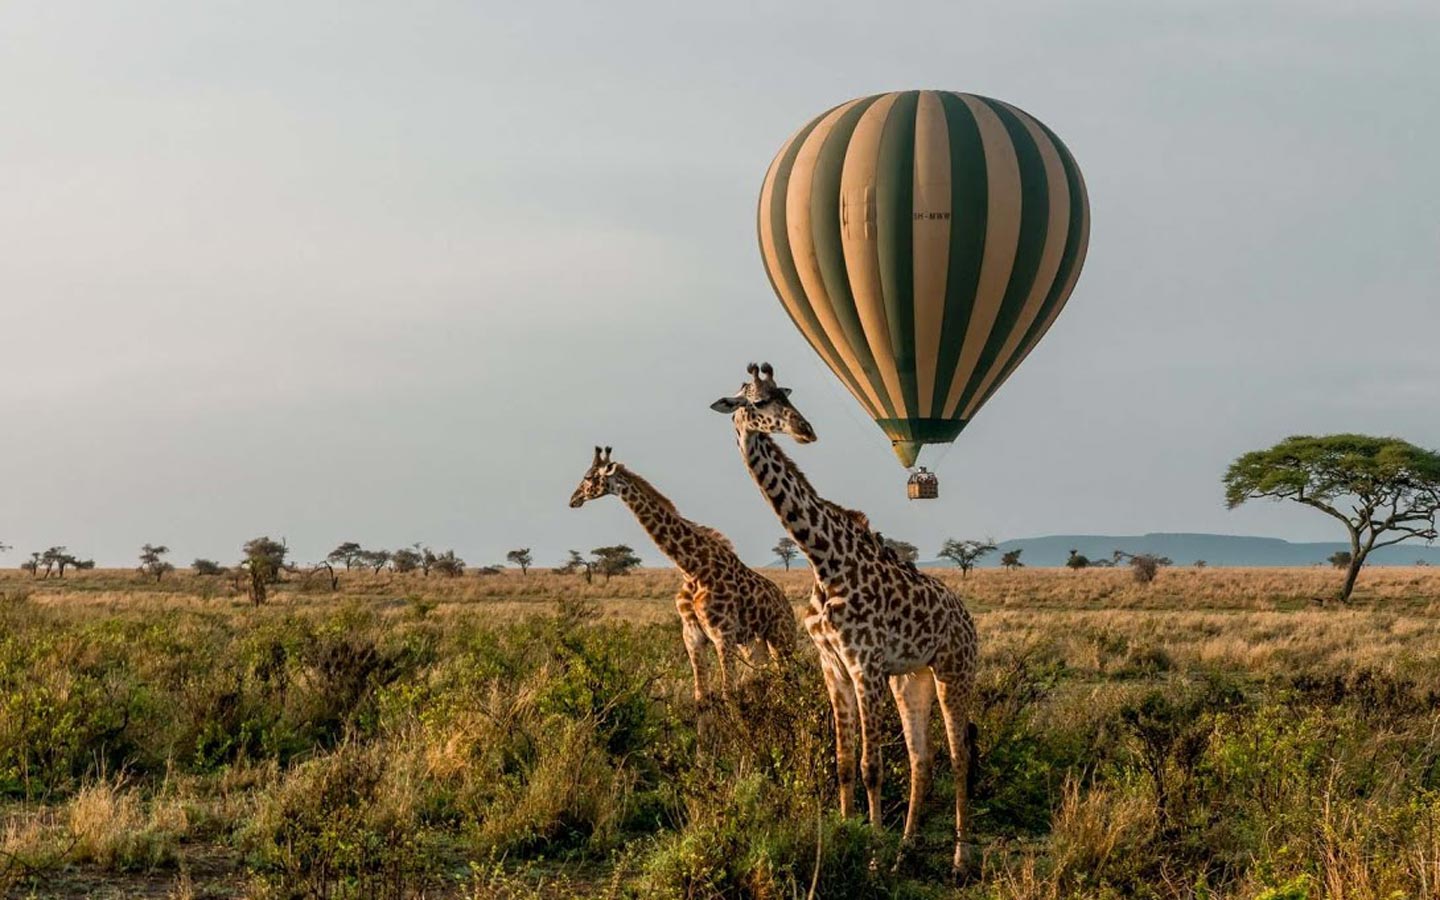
[610,469]
[785,391]
[728,405]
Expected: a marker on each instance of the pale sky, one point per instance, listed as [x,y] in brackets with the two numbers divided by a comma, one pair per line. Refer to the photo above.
[386,272]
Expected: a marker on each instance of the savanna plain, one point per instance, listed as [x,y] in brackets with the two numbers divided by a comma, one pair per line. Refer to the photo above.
[1216,733]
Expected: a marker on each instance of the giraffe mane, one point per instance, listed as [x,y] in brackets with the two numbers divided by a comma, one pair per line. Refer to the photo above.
[704,530]
[861,520]
[648,488]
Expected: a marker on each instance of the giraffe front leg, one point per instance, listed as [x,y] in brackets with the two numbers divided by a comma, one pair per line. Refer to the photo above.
[867,681]
[914,694]
[845,710]
[723,648]
[694,635]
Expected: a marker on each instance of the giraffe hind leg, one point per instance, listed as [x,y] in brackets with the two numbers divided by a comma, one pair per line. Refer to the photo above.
[914,696]
[955,709]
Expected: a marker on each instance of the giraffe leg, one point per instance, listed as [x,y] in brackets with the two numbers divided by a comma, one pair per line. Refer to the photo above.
[723,648]
[695,639]
[845,710]
[955,708]
[867,683]
[914,695]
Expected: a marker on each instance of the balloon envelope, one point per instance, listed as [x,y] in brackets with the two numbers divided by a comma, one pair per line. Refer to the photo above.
[923,242]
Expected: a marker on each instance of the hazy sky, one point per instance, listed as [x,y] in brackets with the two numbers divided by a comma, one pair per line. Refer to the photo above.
[385,272]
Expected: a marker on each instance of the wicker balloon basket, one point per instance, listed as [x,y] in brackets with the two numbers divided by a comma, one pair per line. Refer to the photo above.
[923,485]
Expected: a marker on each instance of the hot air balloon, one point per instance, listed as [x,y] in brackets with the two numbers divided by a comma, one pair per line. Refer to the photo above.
[923,242]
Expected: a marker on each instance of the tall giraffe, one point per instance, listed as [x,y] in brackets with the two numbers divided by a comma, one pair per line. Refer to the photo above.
[872,617]
[721,601]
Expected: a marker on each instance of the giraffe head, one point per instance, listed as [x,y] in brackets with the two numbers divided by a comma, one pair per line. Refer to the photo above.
[597,481]
[762,406]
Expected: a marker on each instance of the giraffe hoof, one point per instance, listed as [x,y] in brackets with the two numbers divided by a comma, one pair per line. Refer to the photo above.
[967,862]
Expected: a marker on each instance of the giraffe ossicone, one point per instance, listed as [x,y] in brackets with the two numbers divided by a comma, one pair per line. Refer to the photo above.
[873,618]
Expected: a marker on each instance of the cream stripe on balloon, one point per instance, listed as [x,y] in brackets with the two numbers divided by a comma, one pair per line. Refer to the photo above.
[802,249]
[930,241]
[1002,235]
[860,241]
[794,304]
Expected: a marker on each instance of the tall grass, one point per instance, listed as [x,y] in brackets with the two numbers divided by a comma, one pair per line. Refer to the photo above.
[1214,735]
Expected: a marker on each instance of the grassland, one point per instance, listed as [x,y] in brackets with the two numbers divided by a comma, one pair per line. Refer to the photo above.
[1216,734]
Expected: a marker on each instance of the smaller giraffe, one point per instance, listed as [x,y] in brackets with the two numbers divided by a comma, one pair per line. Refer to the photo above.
[721,600]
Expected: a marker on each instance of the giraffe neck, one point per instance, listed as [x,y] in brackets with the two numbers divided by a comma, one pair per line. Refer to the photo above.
[805,515]
[675,535]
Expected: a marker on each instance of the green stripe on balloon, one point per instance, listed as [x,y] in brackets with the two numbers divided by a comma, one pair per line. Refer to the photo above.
[829,250]
[1034,226]
[969,211]
[894,220]
[1075,240]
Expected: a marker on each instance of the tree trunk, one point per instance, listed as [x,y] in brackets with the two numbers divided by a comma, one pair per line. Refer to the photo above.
[1357,560]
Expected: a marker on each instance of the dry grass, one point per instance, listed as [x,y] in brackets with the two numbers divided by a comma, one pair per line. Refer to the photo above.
[378,740]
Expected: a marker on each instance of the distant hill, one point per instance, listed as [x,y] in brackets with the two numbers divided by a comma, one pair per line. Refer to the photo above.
[1185,549]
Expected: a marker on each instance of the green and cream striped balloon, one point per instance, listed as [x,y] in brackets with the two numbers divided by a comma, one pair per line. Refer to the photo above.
[923,242]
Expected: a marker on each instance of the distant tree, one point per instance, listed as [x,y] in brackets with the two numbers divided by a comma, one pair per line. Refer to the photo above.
[1200,563]
[1422,562]
[331,576]
[31,565]
[903,550]
[787,550]
[58,559]
[966,554]
[577,563]
[152,561]
[4,547]
[1010,559]
[1390,487]
[374,560]
[616,560]
[264,561]
[1077,561]
[1340,559]
[427,560]
[1145,566]
[347,553]
[489,570]
[448,564]
[405,560]
[521,558]
[207,567]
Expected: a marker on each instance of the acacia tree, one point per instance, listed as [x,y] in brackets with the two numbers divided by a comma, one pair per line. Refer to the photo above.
[787,550]
[1340,559]
[447,564]
[1010,559]
[616,560]
[521,558]
[578,563]
[347,553]
[264,561]
[374,560]
[207,567]
[966,554]
[1077,561]
[903,550]
[1384,490]
[152,561]
[405,560]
